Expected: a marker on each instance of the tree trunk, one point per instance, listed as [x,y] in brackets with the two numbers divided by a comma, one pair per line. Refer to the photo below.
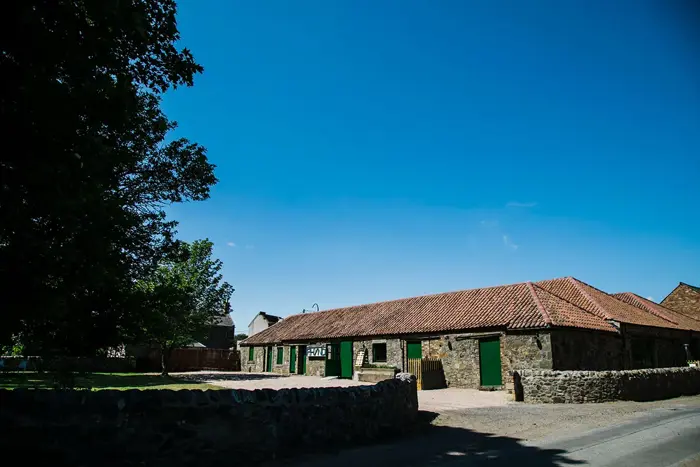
[164,360]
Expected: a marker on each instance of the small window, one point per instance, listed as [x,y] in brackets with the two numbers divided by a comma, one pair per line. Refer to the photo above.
[251,354]
[280,355]
[379,352]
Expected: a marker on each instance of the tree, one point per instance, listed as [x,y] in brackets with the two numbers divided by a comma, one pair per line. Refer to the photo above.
[240,337]
[184,297]
[86,169]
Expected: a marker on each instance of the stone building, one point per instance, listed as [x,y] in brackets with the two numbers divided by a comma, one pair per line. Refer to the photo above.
[481,335]
[684,299]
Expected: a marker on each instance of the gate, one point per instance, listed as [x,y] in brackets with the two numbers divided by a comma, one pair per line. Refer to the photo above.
[428,372]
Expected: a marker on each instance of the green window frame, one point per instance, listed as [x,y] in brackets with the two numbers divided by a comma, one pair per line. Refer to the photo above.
[379,352]
[280,355]
[251,354]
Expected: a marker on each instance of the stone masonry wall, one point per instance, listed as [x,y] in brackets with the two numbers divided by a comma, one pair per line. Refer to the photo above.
[684,299]
[585,350]
[257,365]
[460,362]
[203,428]
[394,352]
[547,386]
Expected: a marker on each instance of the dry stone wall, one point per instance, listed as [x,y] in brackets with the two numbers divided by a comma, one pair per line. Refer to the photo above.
[202,428]
[547,386]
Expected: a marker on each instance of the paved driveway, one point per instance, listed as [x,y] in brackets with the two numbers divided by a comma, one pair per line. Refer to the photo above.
[437,400]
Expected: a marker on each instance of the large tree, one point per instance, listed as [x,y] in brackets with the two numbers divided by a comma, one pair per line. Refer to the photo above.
[183,298]
[86,167]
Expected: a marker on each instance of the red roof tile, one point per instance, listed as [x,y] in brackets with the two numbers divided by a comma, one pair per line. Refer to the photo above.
[605,305]
[516,306]
[680,320]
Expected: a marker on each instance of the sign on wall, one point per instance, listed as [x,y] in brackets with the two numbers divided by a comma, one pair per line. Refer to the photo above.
[316,351]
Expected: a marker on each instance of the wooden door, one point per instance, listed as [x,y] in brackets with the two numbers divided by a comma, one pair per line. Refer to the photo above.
[490,361]
[346,359]
[269,360]
[293,359]
[302,359]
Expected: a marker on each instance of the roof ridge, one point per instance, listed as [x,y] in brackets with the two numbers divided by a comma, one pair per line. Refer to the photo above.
[578,307]
[577,283]
[669,309]
[345,308]
[650,309]
[538,302]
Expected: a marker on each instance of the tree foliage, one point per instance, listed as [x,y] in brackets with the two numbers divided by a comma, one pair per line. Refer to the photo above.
[87,168]
[183,298]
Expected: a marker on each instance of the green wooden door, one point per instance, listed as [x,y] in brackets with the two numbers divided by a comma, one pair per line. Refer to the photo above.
[293,359]
[346,359]
[302,359]
[414,350]
[333,360]
[490,361]
[269,359]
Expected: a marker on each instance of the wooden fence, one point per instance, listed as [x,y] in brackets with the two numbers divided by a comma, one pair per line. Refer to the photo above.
[198,358]
[428,372]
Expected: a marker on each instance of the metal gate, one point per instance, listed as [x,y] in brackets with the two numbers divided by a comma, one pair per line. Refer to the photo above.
[428,372]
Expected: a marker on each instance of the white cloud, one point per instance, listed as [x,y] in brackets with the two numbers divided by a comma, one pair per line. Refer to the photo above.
[650,298]
[517,204]
[231,244]
[509,243]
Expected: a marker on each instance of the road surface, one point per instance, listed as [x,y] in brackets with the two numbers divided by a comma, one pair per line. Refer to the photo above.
[659,438]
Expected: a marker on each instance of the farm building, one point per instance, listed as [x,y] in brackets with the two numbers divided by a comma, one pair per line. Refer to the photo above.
[479,336]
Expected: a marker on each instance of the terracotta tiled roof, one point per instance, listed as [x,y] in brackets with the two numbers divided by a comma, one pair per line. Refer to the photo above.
[604,305]
[680,320]
[516,306]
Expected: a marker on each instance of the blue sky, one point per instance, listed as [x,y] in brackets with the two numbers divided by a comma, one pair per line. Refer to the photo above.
[375,150]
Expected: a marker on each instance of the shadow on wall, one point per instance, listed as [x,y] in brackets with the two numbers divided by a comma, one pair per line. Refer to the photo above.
[203,376]
[442,446]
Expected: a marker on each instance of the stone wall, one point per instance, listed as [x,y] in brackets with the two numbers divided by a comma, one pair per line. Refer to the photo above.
[204,428]
[665,346]
[258,363]
[315,366]
[460,362]
[394,351]
[584,350]
[547,386]
[684,299]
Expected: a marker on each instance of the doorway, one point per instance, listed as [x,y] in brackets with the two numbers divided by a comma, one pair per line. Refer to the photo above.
[346,359]
[293,359]
[490,361]
[302,359]
[333,360]
[268,365]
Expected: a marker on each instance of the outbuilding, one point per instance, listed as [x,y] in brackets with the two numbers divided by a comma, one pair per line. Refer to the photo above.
[476,338]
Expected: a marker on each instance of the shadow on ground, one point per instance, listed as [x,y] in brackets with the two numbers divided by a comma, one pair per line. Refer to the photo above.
[49,380]
[442,446]
[204,377]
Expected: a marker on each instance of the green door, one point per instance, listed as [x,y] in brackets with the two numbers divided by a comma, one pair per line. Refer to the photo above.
[333,360]
[414,350]
[302,359]
[490,361]
[269,359]
[293,359]
[346,359]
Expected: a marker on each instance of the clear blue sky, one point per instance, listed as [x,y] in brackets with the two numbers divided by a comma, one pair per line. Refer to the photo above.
[371,150]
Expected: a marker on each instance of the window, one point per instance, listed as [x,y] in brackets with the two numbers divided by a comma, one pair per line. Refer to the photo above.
[280,355]
[378,352]
[251,354]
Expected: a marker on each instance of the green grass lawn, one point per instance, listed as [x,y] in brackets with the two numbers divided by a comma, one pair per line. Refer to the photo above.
[98,381]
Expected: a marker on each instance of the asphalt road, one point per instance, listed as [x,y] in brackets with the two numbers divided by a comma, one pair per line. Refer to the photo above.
[659,438]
